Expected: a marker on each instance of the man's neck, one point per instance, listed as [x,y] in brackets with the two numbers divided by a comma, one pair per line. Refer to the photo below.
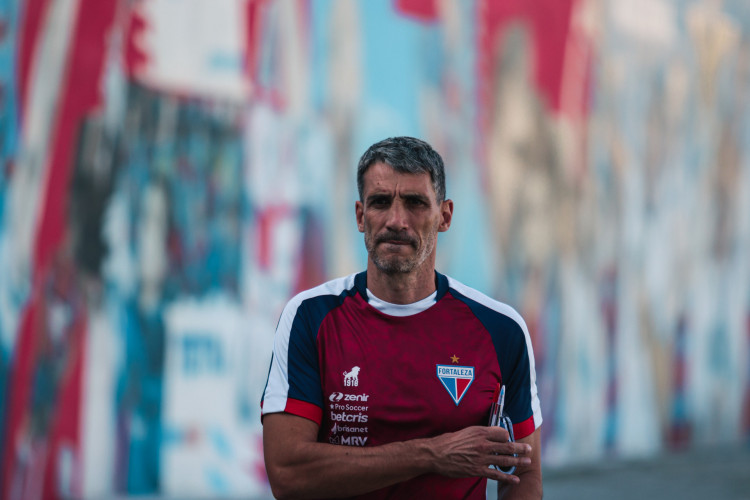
[401,288]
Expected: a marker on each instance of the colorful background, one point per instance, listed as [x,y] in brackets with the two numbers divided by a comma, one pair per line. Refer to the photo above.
[172,171]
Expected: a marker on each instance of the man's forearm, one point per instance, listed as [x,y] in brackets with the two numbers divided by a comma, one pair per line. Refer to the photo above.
[300,467]
[325,470]
[530,488]
[530,485]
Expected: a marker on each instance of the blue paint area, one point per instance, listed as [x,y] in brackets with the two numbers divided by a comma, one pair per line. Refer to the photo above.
[217,482]
[391,75]
[220,443]
[8,97]
[8,150]
[320,50]
[171,436]
[202,354]
[140,396]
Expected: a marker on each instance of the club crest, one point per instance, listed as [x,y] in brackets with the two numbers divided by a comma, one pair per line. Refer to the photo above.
[456,380]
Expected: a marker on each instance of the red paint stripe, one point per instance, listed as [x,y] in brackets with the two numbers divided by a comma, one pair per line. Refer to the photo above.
[66,419]
[135,56]
[32,17]
[311,268]
[20,376]
[548,23]
[267,219]
[254,15]
[523,429]
[304,409]
[422,10]
[80,96]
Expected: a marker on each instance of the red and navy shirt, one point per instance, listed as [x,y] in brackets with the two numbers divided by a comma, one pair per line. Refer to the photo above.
[370,378]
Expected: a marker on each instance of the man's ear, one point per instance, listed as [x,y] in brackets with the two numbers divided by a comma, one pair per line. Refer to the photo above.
[446,212]
[359,211]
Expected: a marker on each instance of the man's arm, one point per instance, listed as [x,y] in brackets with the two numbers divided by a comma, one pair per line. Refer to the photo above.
[530,486]
[300,467]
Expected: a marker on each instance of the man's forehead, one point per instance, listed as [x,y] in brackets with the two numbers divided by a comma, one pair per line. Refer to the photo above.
[382,177]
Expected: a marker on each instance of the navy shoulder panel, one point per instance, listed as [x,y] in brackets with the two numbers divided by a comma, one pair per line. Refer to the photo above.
[509,336]
[304,369]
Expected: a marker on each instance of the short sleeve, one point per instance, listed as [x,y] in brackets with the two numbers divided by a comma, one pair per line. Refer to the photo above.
[294,377]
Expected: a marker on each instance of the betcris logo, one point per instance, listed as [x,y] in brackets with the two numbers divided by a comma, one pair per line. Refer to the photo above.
[352,418]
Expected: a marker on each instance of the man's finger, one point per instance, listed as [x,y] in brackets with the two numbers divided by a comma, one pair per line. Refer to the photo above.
[509,448]
[519,448]
[506,461]
[497,434]
[501,477]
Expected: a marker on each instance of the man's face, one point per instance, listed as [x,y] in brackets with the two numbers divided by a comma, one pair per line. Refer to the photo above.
[400,217]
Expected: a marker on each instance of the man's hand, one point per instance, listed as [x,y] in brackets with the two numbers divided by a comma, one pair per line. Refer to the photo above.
[471,452]
[300,467]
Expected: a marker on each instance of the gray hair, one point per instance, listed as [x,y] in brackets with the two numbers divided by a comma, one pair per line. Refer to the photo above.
[406,155]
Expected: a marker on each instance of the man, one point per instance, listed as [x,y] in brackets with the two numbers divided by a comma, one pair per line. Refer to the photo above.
[381,382]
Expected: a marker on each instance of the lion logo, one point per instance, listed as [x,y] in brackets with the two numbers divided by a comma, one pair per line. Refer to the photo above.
[351,379]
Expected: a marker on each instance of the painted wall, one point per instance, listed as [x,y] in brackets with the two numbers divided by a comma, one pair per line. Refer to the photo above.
[172,171]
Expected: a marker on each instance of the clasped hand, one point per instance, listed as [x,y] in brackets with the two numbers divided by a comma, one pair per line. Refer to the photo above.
[471,452]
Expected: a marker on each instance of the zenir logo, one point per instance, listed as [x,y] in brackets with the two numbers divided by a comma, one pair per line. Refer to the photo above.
[335,397]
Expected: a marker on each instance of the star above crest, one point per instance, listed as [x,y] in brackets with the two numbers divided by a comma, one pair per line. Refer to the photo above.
[455,358]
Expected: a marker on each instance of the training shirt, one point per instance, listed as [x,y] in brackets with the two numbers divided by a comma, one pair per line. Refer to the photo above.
[370,377]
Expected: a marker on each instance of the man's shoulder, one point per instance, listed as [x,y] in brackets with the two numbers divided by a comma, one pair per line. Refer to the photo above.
[333,288]
[484,303]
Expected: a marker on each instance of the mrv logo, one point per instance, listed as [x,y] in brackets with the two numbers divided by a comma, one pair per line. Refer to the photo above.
[336,397]
[354,440]
[348,440]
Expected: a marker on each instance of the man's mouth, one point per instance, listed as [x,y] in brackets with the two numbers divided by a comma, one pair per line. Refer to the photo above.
[391,240]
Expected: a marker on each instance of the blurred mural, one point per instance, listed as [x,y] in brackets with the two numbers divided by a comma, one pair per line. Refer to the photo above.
[172,171]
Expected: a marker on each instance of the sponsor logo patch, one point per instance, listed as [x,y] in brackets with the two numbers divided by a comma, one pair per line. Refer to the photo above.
[358,418]
[456,380]
[348,440]
[351,378]
[353,440]
[335,397]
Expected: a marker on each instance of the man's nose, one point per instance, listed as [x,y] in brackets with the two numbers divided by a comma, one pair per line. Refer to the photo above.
[397,217]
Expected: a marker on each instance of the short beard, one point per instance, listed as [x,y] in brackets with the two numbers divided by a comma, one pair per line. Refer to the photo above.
[397,264]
